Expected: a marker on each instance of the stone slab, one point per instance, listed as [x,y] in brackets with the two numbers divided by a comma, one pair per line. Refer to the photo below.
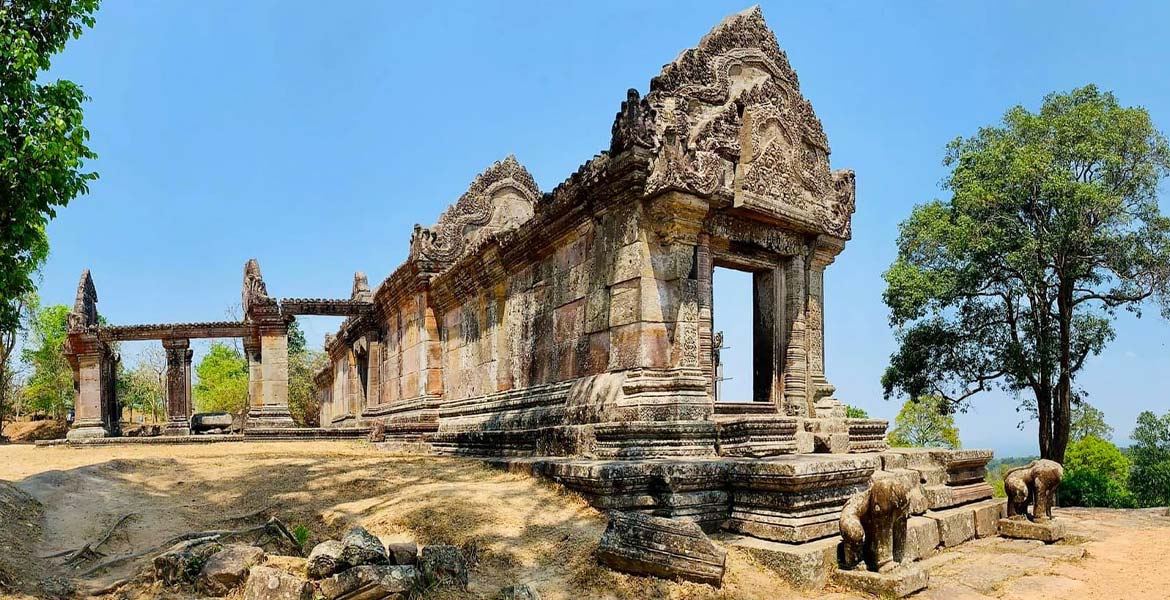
[987,516]
[899,583]
[922,538]
[805,566]
[955,525]
[1024,529]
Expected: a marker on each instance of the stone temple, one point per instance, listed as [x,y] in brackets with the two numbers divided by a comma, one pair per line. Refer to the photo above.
[569,332]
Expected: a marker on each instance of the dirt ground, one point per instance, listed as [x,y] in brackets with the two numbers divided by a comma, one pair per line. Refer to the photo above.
[520,530]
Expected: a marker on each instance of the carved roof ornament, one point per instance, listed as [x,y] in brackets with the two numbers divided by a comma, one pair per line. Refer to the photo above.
[500,199]
[84,315]
[255,293]
[633,125]
[726,119]
[361,288]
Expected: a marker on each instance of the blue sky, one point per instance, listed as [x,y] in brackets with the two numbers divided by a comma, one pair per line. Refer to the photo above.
[313,136]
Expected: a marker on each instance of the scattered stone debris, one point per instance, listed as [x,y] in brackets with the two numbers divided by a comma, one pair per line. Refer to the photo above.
[325,559]
[227,569]
[522,591]
[647,545]
[267,583]
[442,564]
[361,547]
[182,563]
[402,553]
[370,581]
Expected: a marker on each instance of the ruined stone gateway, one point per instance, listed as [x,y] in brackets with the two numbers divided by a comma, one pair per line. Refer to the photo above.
[569,333]
[578,322]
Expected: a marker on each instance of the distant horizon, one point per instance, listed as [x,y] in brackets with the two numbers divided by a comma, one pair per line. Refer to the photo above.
[226,132]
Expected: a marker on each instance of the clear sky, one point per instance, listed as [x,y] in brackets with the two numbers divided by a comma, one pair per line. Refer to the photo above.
[313,136]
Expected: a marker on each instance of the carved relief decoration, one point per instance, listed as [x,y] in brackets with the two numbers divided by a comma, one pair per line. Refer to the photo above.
[500,199]
[838,211]
[361,288]
[255,293]
[720,225]
[728,121]
[84,314]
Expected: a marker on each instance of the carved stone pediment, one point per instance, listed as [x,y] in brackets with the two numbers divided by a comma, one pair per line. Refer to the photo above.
[726,119]
[84,314]
[500,199]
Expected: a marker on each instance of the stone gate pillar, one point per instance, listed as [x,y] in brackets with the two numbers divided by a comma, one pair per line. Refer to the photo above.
[90,358]
[271,331]
[178,403]
[273,387]
[89,390]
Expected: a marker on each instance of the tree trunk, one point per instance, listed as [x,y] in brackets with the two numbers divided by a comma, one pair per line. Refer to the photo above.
[1062,407]
[1044,413]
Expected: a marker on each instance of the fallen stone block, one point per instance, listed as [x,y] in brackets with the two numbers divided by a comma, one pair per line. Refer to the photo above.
[955,525]
[325,559]
[646,545]
[362,548]
[1020,528]
[266,583]
[922,538]
[899,582]
[805,566]
[227,569]
[402,553]
[180,564]
[442,564]
[370,582]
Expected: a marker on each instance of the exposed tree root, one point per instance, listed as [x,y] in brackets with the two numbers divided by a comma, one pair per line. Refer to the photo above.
[89,551]
[273,529]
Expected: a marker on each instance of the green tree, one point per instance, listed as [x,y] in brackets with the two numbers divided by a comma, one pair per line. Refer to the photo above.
[1150,479]
[42,138]
[925,422]
[303,365]
[1096,473]
[143,388]
[853,412]
[1052,226]
[10,389]
[49,389]
[223,380]
[1088,421]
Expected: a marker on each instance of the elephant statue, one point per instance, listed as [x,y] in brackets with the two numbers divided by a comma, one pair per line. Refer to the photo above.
[1034,483]
[873,525]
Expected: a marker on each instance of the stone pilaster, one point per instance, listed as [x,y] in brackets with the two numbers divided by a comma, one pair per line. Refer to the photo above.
[178,404]
[273,409]
[89,383]
[797,400]
[815,310]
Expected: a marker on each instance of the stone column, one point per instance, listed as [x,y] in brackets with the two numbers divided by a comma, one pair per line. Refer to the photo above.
[255,375]
[797,401]
[87,396]
[273,410]
[187,377]
[178,419]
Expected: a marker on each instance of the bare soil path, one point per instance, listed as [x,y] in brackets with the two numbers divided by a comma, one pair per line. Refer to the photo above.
[522,530]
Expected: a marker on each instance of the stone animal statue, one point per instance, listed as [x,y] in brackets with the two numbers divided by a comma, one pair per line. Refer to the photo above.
[1034,483]
[873,525]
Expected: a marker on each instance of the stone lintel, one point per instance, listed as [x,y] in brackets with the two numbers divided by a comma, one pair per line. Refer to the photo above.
[899,583]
